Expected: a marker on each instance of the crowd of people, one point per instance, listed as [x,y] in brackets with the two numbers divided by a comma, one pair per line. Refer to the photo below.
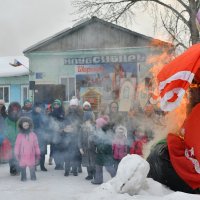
[77,136]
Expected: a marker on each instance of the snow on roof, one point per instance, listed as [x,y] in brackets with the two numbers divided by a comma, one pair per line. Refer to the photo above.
[7,70]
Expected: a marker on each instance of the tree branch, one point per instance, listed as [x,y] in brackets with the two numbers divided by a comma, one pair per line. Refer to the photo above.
[172,35]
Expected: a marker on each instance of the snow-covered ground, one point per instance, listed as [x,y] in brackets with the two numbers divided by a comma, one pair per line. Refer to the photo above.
[53,185]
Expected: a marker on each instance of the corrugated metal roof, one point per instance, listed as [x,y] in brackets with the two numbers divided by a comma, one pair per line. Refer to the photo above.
[79,26]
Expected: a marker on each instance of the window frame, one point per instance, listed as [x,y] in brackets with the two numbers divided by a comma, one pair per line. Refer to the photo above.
[68,77]
[6,86]
[22,92]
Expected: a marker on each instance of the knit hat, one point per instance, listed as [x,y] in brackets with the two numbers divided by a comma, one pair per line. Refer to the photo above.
[57,101]
[88,115]
[74,102]
[86,103]
[121,130]
[27,101]
[106,118]
[100,122]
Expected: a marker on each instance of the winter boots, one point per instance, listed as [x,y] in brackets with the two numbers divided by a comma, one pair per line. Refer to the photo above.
[13,171]
[50,161]
[14,167]
[59,167]
[43,168]
[80,169]
[32,173]
[42,161]
[91,173]
[66,174]
[23,174]
[89,177]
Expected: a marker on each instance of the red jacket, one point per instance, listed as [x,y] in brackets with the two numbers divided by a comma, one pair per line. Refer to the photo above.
[137,146]
[5,150]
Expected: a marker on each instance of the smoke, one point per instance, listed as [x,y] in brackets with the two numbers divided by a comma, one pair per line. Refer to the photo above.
[171,122]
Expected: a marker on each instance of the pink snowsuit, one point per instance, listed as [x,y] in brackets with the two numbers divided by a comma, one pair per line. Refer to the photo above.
[27,150]
[119,147]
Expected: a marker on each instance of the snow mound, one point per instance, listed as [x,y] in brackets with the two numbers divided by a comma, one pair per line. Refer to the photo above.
[131,174]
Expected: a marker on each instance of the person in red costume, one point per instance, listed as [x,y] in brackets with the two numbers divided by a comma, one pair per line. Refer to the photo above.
[175,162]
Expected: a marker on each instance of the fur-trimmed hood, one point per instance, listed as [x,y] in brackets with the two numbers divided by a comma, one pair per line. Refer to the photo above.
[14,106]
[21,121]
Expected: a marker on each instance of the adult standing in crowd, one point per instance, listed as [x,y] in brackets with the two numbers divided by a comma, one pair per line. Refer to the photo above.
[87,145]
[11,131]
[114,114]
[27,108]
[88,108]
[57,117]
[38,118]
[104,155]
[73,120]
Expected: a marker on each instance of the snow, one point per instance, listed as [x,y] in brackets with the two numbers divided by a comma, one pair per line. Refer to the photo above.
[131,175]
[53,185]
[6,70]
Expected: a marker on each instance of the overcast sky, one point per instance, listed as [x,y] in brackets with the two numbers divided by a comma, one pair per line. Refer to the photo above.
[26,22]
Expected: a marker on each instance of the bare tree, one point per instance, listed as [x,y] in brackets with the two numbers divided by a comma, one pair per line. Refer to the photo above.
[177,16]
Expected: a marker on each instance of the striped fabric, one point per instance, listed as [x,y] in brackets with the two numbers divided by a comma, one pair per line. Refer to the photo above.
[175,77]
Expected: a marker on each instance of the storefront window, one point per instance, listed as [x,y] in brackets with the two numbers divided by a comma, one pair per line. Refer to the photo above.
[106,78]
[69,83]
[24,93]
[4,93]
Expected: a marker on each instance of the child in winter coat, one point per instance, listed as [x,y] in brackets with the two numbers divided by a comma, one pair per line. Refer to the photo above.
[26,149]
[119,145]
[104,157]
[138,143]
[86,144]
[88,108]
